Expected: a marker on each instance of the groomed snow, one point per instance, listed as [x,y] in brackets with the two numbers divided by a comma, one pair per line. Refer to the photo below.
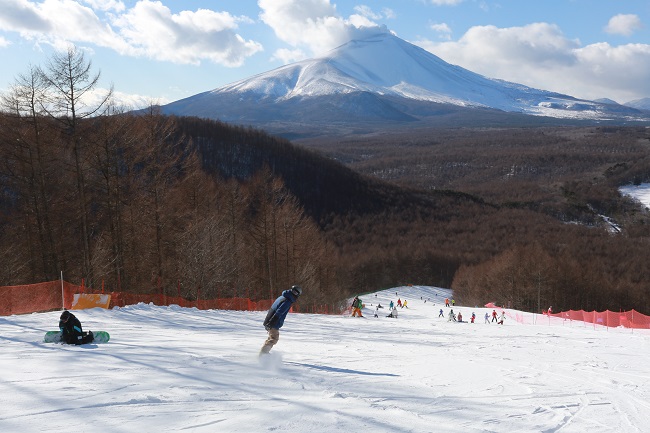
[172,369]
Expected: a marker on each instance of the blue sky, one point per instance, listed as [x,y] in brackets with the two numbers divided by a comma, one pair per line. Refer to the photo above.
[161,51]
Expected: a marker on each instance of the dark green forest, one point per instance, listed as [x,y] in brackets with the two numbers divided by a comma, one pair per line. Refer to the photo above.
[141,202]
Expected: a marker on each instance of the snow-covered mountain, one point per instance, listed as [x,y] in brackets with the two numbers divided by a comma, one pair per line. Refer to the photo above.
[640,104]
[380,78]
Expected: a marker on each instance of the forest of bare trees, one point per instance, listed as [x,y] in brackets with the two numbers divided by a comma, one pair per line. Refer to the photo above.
[141,202]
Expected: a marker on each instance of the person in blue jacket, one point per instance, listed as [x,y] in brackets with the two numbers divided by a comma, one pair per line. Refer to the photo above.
[276,315]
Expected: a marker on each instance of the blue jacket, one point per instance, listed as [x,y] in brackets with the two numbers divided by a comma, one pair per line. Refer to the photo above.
[279,309]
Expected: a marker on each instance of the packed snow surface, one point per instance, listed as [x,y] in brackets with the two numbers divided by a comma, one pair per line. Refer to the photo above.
[172,369]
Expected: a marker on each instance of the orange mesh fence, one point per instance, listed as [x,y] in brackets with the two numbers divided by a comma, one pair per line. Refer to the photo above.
[54,295]
[31,298]
[612,319]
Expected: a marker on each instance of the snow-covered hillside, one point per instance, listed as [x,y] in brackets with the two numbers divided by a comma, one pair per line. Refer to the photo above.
[640,192]
[170,369]
[385,66]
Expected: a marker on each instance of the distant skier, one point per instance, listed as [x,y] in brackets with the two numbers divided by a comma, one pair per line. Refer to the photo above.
[276,315]
[399,302]
[447,302]
[473,317]
[494,315]
[452,316]
[502,318]
[357,304]
[71,332]
[487,318]
[404,304]
[442,314]
[390,306]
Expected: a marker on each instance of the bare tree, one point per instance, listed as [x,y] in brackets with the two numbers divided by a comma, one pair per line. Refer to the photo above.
[28,161]
[69,83]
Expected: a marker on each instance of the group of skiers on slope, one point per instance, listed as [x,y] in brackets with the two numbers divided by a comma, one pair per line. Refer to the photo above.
[459,318]
[72,333]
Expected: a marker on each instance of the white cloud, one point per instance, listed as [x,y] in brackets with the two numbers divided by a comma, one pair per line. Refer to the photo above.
[152,30]
[623,24]
[314,24]
[147,29]
[286,55]
[446,2]
[367,12]
[56,22]
[106,5]
[442,29]
[388,13]
[540,56]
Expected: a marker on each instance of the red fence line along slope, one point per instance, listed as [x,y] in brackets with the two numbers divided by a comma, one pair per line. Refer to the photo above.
[53,295]
[611,319]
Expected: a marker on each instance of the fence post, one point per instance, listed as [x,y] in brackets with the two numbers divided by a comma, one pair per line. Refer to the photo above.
[62,293]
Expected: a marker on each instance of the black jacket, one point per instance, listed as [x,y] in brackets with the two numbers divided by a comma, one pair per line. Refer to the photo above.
[72,333]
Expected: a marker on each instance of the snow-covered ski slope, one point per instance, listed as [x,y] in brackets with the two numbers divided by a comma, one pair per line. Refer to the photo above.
[172,369]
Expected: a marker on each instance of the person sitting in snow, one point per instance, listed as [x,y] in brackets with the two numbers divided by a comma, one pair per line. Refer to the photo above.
[393,313]
[71,332]
[460,316]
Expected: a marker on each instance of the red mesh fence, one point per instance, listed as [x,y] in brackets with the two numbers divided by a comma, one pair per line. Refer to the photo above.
[611,319]
[54,295]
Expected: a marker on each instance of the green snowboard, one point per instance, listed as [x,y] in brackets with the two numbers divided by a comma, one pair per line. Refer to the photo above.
[55,337]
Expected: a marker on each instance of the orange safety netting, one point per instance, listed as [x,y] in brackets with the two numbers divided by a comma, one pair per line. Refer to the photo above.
[612,319]
[55,295]
[32,298]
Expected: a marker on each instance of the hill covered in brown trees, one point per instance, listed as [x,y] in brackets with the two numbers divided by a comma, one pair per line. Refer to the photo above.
[145,202]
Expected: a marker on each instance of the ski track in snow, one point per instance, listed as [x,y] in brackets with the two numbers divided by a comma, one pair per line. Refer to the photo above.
[178,369]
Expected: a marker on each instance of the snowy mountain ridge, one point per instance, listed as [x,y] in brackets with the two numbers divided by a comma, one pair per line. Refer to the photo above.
[382,77]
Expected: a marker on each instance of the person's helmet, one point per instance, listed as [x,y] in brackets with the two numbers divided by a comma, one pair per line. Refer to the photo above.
[296,290]
[65,315]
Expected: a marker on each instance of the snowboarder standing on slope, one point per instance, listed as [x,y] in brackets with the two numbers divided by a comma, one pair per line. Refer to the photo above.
[276,315]
[71,332]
